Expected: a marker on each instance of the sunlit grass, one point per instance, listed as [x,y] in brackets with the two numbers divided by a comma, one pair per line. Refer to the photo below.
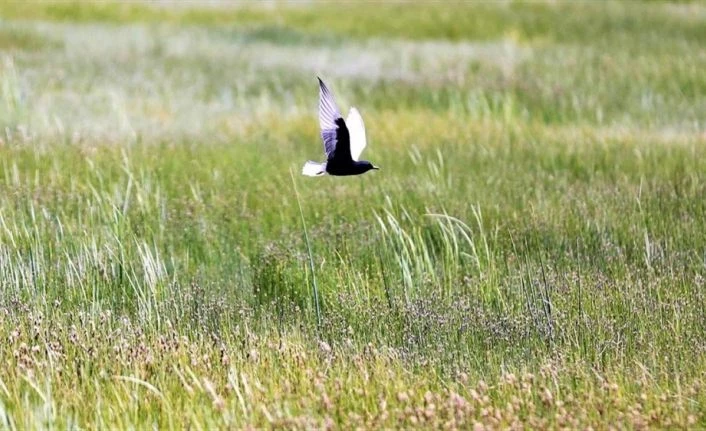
[531,253]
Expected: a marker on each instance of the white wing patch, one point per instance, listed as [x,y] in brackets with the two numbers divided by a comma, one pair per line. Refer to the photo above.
[356,130]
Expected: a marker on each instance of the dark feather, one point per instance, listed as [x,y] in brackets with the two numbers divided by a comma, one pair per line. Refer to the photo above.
[342,153]
[328,120]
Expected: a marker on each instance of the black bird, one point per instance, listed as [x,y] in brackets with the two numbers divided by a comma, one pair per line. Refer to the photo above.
[344,141]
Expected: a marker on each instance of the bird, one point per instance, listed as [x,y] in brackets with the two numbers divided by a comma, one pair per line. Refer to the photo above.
[344,140]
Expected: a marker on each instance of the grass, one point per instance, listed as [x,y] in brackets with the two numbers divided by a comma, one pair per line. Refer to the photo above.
[531,255]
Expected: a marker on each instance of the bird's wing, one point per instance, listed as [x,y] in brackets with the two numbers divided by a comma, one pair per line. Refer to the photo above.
[356,129]
[328,114]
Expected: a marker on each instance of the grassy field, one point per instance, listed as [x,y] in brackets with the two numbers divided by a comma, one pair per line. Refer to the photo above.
[531,255]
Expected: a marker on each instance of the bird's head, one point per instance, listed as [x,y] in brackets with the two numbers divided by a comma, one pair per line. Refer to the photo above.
[367,165]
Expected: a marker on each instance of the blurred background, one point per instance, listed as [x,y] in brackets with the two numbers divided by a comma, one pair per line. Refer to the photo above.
[116,70]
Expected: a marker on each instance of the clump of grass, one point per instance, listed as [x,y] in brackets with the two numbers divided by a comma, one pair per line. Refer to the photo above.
[13,109]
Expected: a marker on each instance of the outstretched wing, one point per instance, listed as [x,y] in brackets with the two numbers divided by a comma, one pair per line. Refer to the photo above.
[356,129]
[334,132]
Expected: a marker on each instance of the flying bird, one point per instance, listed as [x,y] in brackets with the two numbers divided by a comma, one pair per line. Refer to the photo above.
[344,140]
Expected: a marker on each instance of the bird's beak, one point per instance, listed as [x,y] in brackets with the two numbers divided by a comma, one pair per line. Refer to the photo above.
[376,167]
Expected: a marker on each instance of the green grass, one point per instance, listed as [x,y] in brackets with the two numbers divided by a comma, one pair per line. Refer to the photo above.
[531,255]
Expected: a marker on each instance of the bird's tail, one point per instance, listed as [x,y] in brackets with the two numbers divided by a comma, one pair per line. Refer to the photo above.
[313,169]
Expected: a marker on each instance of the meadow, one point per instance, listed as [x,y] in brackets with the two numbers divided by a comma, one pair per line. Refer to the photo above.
[532,253]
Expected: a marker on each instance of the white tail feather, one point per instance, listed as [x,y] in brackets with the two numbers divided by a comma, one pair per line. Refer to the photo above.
[313,169]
